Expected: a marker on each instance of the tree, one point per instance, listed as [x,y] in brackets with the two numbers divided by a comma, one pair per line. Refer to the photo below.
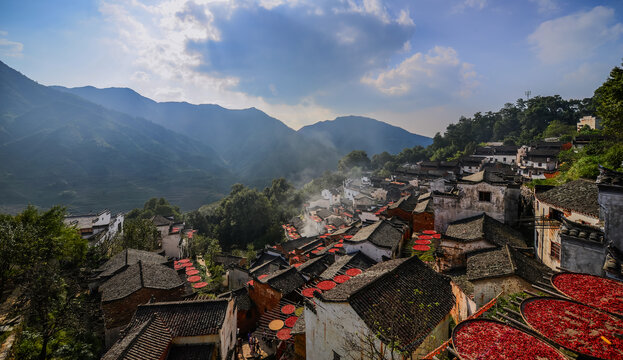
[155,206]
[140,234]
[609,103]
[51,252]
[356,158]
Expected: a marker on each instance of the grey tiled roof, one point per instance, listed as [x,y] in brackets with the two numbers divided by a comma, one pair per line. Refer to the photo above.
[137,276]
[381,234]
[241,297]
[185,318]
[578,196]
[285,280]
[403,299]
[355,260]
[503,262]
[128,257]
[484,227]
[314,267]
[146,341]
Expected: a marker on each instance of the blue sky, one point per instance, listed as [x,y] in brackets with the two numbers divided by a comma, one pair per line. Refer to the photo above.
[418,64]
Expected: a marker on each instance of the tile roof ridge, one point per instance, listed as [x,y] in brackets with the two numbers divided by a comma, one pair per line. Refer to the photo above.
[141,330]
[382,276]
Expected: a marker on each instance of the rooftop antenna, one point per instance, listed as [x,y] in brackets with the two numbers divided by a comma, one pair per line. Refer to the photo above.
[528,93]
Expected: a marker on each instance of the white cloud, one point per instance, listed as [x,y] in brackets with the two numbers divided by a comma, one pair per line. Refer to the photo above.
[370,7]
[439,69]
[404,18]
[575,36]
[8,47]
[474,4]
[546,6]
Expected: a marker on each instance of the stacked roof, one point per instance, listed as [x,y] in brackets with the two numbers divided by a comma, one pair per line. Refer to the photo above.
[138,276]
[401,300]
[503,262]
[484,227]
[154,327]
[577,196]
[126,258]
[285,280]
[381,234]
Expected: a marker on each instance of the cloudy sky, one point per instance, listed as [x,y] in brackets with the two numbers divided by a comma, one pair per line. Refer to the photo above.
[418,64]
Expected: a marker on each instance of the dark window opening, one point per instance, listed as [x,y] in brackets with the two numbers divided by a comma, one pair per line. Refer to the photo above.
[336,356]
[484,196]
[555,215]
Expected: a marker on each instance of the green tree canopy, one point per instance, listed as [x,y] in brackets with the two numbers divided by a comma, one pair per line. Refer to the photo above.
[609,103]
[356,158]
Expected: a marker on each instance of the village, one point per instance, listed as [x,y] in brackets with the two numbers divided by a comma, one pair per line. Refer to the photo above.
[386,268]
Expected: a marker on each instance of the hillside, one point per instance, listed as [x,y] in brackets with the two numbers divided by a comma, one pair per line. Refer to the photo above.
[361,133]
[59,148]
[255,146]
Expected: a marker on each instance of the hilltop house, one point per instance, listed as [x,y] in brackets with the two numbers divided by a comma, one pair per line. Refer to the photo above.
[96,228]
[400,304]
[199,329]
[494,154]
[590,121]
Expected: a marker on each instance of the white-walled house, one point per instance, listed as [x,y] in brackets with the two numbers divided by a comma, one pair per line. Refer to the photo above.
[97,228]
[379,241]
[482,192]
[401,303]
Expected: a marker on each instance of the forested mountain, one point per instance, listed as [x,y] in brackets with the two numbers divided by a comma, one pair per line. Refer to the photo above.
[58,148]
[254,145]
[349,133]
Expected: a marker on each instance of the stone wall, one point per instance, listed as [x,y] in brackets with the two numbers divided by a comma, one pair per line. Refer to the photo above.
[487,289]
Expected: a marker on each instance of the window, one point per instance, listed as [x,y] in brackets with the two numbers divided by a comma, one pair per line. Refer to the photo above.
[336,356]
[540,164]
[554,251]
[484,196]
[504,159]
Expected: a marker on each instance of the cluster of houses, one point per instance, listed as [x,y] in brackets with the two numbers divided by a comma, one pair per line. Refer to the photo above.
[352,280]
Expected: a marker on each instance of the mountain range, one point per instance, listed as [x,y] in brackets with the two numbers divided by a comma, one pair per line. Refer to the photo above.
[92,148]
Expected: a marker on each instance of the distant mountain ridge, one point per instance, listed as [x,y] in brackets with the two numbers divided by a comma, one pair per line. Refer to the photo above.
[254,145]
[91,148]
[59,148]
[349,133]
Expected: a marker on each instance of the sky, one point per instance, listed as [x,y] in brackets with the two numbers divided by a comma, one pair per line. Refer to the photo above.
[417,64]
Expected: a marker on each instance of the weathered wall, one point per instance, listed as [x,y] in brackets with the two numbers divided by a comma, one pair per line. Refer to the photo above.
[582,256]
[119,312]
[464,305]
[611,208]
[171,245]
[454,252]
[436,337]
[227,334]
[423,221]
[264,296]
[299,347]
[369,249]
[487,289]
[236,278]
